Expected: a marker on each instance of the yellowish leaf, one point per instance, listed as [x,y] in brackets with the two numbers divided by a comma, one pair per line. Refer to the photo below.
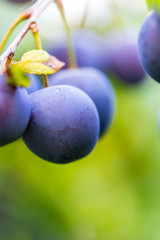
[39,62]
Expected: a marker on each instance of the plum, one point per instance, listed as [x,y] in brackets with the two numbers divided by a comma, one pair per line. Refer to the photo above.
[125,64]
[19,1]
[15,110]
[149,45]
[64,124]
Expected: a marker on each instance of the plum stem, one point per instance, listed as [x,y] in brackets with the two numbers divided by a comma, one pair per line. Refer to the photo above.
[70,51]
[84,17]
[35,11]
[45,80]
[36,35]
[35,31]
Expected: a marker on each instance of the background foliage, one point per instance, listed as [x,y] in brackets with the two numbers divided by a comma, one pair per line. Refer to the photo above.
[112,194]
[153,4]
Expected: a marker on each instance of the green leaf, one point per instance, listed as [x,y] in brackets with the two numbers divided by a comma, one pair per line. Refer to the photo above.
[16,77]
[153,4]
[39,62]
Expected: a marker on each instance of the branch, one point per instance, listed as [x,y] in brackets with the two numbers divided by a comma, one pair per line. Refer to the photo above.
[36,11]
[23,16]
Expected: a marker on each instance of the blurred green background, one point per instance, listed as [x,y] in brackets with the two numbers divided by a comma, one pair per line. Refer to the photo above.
[114,193]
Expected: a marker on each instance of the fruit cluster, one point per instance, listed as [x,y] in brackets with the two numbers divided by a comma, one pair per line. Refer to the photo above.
[60,123]
[63,122]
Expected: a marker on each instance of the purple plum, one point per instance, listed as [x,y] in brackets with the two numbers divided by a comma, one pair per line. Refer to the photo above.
[15,110]
[149,45]
[125,64]
[64,124]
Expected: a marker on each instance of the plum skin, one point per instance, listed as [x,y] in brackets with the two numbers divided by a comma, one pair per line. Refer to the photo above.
[15,110]
[64,124]
[35,84]
[125,64]
[149,45]
[19,1]
[96,84]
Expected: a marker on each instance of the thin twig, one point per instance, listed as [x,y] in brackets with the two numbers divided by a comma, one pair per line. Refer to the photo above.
[36,9]
[23,16]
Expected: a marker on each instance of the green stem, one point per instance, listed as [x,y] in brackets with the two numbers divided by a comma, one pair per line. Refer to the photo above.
[36,35]
[84,18]
[37,38]
[70,51]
